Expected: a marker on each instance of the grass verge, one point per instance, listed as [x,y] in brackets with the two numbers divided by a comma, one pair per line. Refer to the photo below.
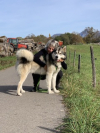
[6,62]
[82,100]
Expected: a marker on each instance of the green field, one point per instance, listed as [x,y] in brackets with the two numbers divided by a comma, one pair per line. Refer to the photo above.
[80,97]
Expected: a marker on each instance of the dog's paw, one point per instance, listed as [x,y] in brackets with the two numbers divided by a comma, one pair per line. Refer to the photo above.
[50,92]
[22,91]
[56,91]
[19,94]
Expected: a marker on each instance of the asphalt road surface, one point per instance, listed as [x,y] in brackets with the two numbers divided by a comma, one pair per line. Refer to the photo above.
[33,112]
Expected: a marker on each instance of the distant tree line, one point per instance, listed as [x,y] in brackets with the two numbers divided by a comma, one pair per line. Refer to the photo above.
[92,36]
[70,38]
[40,38]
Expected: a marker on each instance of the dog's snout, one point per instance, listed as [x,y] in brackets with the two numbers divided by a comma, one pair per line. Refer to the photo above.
[56,57]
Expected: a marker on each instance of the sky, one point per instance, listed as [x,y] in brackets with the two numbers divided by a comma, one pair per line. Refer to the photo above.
[20,18]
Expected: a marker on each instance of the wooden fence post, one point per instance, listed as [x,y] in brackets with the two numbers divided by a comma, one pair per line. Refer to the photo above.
[74,58]
[69,55]
[93,67]
[79,63]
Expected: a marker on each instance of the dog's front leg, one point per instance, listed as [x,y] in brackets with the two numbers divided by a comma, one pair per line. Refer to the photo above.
[54,83]
[48,82]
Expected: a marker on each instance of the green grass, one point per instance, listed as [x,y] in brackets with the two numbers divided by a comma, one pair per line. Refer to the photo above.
[80,97]
[6,62]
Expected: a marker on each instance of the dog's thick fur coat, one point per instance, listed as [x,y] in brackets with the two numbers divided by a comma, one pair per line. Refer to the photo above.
[26,65]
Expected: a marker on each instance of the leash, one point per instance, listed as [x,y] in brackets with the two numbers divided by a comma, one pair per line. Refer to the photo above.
[55,66]
[38,82]
[41,77]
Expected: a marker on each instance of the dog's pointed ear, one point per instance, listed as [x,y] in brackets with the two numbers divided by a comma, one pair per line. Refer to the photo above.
[64,49]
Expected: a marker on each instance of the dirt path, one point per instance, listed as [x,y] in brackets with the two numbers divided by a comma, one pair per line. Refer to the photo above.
[33,112]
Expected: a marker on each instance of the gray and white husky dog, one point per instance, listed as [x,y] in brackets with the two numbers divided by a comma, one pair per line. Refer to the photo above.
[26,65]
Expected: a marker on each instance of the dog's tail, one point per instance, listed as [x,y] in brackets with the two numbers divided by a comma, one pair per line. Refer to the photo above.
[24,55]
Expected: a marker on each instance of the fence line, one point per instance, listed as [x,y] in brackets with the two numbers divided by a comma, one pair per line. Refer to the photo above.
[79,64]
[93,66]
[74,58]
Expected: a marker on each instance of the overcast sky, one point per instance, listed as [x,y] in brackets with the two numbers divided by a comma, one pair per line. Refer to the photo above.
[20,18]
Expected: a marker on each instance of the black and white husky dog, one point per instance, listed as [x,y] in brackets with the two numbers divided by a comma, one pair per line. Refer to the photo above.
[26,65]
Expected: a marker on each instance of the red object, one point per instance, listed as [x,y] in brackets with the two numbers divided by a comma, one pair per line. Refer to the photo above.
[60,43]
[39,42]
[21,46]
[16,45]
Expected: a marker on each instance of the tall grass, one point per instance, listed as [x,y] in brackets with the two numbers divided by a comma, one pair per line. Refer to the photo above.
[82,100]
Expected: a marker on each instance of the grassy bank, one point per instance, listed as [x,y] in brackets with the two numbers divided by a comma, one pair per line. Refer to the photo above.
[6,62]
[82,100]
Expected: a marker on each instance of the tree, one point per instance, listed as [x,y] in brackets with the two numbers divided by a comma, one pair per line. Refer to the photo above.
[91,35]
[64,38]
[30,36]
[40,38]
[75,39]
[69,38]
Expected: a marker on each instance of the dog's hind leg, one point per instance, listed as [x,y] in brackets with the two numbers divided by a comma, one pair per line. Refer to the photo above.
[48,81]
[19,88]
[54,83]
[22,91]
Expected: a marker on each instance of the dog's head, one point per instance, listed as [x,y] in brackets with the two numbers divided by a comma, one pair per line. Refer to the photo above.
[59,53]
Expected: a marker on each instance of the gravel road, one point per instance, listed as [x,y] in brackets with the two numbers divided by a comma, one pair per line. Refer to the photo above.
[33,112]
